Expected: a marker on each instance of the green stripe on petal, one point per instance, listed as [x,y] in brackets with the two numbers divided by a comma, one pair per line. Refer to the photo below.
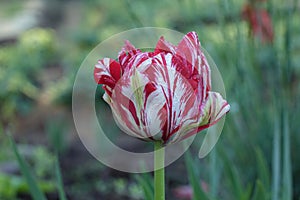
[137,88]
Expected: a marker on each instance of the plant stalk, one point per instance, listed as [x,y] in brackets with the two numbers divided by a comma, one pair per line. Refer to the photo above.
[159,172]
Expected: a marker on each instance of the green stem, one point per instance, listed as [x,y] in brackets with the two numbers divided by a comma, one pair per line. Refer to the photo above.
[159,173]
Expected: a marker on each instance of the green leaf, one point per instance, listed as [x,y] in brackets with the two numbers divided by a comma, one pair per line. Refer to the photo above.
[55,135]
[198,193]
[287,169]
[214,173]
[276,160]
[60,187]
[260,192]
[235,180]
[146,182]
[262,169]
[34,189]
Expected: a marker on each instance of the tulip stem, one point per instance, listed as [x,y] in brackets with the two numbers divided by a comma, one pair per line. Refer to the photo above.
[159,171]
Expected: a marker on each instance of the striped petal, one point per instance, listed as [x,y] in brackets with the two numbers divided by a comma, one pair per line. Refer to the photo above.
[188,50]
[164,46]
[203,78]
[138,104]
[213,110]
[154,100]
[191,62]
[127,55]
[181,101]
[107,72]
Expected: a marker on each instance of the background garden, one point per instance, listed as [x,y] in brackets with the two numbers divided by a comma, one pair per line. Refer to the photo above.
[256,46]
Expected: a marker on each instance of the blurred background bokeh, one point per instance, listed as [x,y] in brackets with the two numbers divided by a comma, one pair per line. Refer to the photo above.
[254,43]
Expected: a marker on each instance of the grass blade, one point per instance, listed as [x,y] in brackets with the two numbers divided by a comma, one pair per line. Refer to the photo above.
[234,178]
[276,160]
[287,171]
[260,192]
[198,193]
[262,169]
[214,174]
[146,183]
[60,186]
[34,189]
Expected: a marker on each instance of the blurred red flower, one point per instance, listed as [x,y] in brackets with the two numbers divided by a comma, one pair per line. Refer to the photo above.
[259,21]
[186,191]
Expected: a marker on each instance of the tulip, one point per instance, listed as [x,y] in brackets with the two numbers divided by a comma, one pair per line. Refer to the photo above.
[162,96]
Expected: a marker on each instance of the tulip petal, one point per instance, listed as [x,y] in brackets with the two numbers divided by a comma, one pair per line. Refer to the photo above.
[153,100]
[127,54]
[107,72]
[138,104]
[188,51]
[191,62]
[213,110]
[181,105]
[164,46]
[202,79]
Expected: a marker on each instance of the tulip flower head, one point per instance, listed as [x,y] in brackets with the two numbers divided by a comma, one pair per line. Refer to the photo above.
[164,95]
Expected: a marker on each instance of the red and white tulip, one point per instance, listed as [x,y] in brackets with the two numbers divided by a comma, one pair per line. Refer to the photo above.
[164,95]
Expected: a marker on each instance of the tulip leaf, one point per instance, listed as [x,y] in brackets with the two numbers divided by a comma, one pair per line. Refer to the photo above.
[34,189]
[60,187]
[234,180]
[287,169]
[145,181]
[260,192]
[214,173]
[276,160]
[198,193]
[262,169]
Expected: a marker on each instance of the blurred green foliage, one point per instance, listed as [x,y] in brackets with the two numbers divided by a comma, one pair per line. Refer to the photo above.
[21,64]
[12,185]
[10,8]
[41,163]
[261,80]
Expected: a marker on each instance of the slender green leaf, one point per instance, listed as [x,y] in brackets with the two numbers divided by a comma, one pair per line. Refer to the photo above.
[287,169]
[149,179]
[60,186]
[198,193]
[260,192]
[235,180]
[276,160]
[214,174]
[56,136]
[34,189]
[147,187]
[262,169]
[247,192]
